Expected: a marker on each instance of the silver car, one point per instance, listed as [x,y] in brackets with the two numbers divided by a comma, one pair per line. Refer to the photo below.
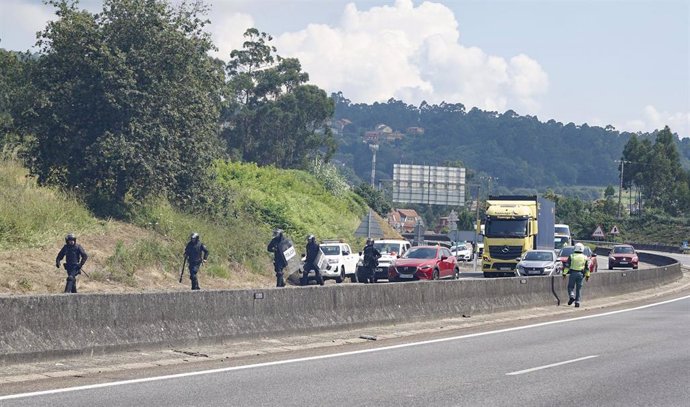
[539,263]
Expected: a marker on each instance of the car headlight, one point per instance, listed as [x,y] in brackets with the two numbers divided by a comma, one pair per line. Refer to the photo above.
[333,261]
[424,267]
[550,267]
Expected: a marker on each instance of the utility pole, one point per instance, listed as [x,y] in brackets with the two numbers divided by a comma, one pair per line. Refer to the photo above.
[620,185]
[374,148]
[476,226]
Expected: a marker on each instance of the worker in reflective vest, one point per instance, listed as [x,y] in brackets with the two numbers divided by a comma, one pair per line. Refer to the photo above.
[577,268]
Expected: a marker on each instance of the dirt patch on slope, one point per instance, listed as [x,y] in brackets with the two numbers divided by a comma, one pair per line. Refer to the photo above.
[32,271]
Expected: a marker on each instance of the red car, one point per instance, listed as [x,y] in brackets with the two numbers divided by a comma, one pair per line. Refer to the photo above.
[591,257]
[623,255]
[424,263]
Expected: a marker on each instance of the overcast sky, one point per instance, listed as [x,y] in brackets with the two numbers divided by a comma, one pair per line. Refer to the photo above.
[624,63]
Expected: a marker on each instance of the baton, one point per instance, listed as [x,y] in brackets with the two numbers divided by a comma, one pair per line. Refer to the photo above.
[182,269]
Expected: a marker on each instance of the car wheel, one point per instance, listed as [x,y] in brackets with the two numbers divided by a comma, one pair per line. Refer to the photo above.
[634,267]
[456,273]
[341,277]
[610,266]
[435,275]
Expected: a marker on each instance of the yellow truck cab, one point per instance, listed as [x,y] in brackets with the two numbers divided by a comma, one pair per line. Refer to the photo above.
[512,226]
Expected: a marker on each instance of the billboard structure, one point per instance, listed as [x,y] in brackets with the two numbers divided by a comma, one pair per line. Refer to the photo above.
[430,185]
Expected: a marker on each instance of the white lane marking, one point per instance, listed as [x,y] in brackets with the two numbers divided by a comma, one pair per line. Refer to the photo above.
[551,365]
[329,356]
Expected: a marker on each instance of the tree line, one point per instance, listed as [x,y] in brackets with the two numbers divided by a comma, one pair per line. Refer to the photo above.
[126,104]
[520,151]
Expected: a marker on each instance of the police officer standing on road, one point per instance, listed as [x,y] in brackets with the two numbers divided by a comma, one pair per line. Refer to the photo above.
[196,254]
[310,262]
[75,257]
[370,261]
[279,261]
[577,267]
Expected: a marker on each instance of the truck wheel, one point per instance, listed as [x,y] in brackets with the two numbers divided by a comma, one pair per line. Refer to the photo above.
[341,277]
[353,278]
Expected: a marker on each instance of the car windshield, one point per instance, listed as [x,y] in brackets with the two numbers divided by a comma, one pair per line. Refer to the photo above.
[539,256]
[421,253]
[623,249]
[566,251]
[506,228]
[562,230]
[387,247]
[330,250]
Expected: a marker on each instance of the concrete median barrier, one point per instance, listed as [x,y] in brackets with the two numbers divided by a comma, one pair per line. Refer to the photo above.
[52,326]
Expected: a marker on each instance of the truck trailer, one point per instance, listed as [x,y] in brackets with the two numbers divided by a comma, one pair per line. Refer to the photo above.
[512,226]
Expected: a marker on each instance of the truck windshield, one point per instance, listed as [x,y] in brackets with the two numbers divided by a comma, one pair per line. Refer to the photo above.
[560,241]
[388,248]
[506,228]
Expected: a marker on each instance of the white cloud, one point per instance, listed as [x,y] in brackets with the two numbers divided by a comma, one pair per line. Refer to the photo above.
[412,53]
[652,119]
[227,31]
[20,21]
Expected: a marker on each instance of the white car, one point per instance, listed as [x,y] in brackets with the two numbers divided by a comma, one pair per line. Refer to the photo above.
[342,262]
[390,250]
[463,252]
[539,262]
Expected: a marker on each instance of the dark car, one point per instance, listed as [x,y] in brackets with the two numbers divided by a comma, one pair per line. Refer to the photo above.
[591,257]
[623,255]
[424,263]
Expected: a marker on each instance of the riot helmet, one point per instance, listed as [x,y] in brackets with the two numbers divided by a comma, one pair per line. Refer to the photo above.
[71,237]
[311,238]
[370,241]
[194,236]
[579,248]
[277,232]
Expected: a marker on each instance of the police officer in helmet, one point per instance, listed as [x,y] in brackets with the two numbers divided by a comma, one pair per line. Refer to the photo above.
[370,261]
[279,261]
[75,257]
[196,254]
[310,263]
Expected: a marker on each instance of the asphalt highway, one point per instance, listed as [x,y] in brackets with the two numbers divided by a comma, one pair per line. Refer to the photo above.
[629,357]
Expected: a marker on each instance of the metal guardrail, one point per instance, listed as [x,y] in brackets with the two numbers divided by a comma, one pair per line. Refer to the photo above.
[638,246]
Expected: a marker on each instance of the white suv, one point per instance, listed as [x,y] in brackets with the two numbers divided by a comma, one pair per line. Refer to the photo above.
[390,250]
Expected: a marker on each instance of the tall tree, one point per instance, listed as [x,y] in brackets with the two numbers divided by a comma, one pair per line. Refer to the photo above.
[127,100]
[272,115]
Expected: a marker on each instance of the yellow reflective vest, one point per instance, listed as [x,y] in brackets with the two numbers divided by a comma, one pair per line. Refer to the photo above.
[577,262]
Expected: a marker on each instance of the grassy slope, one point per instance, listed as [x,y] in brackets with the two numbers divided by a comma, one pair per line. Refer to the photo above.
[146,254]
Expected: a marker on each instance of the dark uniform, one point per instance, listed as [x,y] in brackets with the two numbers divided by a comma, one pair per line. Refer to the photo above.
[370,261]
[279,261]
[75,257]
[313,250]
[196,253]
